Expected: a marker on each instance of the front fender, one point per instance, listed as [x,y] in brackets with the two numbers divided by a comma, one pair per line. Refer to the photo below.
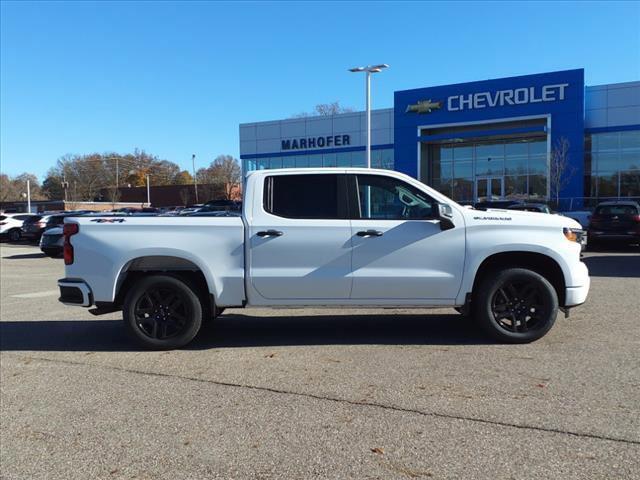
[478,256]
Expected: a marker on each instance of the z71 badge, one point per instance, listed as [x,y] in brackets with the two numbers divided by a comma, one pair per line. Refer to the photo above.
[107,220]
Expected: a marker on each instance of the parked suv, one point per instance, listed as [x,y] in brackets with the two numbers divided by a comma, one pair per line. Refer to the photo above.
[34,227]
[11,224]
[615,221]
[531,207]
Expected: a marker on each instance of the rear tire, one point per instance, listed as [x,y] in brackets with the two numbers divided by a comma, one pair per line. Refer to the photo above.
[162,312]
[516,305]
[14,235]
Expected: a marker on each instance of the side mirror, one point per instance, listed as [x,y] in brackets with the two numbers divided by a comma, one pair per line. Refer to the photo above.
[445,215]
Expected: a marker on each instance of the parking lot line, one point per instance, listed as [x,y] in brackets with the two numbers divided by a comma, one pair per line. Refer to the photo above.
[45,293]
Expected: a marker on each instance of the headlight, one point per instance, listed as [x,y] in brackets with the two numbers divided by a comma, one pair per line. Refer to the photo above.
[573,234]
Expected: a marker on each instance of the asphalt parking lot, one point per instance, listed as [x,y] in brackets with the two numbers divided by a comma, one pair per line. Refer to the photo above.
[363,394]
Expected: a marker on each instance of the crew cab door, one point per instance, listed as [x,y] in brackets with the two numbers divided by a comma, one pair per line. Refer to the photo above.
[400,252]
[300,238]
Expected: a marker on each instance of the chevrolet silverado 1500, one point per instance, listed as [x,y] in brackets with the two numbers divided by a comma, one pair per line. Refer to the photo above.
[327,237]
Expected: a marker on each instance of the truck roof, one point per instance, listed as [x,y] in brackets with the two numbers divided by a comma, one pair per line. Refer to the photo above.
[361,170]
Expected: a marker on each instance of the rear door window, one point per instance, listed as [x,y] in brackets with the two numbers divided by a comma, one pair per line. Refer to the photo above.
[306,196]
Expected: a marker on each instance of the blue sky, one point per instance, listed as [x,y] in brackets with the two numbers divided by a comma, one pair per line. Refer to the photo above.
[177,78]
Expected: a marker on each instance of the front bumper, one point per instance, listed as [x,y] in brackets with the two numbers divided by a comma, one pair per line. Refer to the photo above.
[75,292]
[577,294]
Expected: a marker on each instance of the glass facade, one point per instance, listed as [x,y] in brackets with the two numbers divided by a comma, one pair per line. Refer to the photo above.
[515,168]
[612,163]
[380,158]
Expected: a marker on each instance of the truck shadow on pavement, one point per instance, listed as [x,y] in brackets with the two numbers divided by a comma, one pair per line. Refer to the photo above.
[622,266]
[24,255]
[237,330]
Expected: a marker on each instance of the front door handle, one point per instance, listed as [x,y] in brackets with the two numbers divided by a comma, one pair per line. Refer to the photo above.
[369,233]
[270,233]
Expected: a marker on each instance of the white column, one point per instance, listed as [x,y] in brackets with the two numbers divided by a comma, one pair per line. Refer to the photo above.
[148,193]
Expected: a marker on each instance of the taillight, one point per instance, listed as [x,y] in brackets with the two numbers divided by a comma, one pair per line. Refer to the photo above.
[635,218]
[68,230]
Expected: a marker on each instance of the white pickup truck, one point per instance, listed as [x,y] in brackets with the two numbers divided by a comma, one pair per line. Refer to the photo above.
[327,237]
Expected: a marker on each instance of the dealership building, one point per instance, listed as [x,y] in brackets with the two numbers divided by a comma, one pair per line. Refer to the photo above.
[491,139]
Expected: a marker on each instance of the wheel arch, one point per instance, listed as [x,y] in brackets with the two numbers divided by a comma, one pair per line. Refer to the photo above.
[185,269]
[540,263]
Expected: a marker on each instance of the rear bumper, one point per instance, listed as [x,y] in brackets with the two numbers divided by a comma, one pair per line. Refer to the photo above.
[614,235]
[577,295]
[75,292]
[52,251]
[31,235]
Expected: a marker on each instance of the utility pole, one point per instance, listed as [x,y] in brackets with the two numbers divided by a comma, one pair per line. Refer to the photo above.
[28,196]
[195,179]
[148,192]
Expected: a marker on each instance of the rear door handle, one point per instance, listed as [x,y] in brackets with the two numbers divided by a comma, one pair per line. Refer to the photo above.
[270,233]
[369,233]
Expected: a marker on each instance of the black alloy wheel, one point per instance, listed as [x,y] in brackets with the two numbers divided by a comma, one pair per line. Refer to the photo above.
[516,305]
[162,312]
[14,235]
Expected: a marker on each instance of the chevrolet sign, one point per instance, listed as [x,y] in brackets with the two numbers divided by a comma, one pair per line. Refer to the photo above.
[517,96]
[500,98]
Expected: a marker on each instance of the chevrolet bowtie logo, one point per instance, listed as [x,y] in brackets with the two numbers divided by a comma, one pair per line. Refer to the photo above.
[423,106]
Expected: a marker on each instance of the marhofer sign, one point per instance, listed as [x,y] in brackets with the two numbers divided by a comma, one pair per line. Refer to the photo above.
[316,142]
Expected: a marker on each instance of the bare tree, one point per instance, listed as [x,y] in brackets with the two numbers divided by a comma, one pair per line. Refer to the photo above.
[325,110]
[224,175]
[7,190]
[185,196]
[94,172]
[114,195]
[12,188]
[560,169]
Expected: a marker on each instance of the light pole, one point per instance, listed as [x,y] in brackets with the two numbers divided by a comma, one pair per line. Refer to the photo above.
[369,69]
[148,192]
[195,179]
[28,196]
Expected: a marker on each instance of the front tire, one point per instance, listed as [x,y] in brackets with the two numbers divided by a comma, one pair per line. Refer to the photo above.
[516,305]
[162,312]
